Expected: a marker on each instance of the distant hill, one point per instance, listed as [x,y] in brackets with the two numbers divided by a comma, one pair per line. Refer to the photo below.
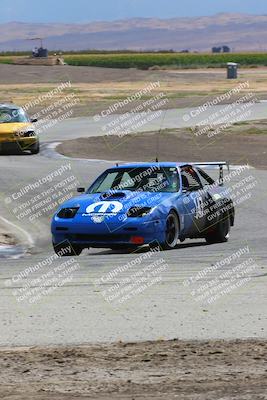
[238,31]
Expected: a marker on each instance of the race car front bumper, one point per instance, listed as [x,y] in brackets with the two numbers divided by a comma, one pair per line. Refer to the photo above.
[12,142]
[132,233]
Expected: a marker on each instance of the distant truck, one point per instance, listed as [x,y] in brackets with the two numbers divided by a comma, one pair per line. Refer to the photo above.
[39,56]
[39,52]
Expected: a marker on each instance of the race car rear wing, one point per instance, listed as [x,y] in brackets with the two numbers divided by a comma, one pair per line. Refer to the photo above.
[214,164]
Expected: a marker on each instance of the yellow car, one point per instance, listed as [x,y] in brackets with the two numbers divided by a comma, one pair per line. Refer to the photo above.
[16,130]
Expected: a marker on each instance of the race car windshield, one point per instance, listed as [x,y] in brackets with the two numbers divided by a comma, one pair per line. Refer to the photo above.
[8,115]
[151,179]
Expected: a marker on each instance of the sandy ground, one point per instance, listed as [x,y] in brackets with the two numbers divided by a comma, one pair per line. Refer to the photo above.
[242,144]
[152,370]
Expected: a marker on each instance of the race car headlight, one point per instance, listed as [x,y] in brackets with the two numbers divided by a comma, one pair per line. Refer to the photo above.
[138,211]
[28,133]
[68,212]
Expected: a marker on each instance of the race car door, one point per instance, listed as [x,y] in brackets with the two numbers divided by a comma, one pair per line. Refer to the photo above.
[193,201]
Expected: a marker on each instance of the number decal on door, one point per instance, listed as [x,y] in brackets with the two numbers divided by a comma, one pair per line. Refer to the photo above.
[199,205]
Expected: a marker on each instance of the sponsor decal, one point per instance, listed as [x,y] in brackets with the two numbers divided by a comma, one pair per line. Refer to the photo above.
[97,219]
[199,207]
[102,208]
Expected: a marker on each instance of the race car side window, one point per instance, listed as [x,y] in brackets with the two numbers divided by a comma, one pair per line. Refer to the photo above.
[190,179]
[205,178]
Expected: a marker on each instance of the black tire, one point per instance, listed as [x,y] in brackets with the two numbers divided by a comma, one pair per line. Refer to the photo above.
[67,250]
[172,231]
[35,148]
[220,233]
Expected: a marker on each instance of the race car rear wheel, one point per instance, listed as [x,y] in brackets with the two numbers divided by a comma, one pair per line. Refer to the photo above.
[171,231]
[220,232]
[63,250]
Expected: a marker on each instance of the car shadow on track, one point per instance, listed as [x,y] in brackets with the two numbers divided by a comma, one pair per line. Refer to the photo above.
[143,249]
[15,153]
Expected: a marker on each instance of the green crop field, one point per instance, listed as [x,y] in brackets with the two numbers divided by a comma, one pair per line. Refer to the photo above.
[5,60]
[147,60]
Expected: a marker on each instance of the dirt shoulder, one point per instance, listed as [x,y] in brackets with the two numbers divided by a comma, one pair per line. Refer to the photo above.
[241,145]
[150,370]
[96,89]
[6,240]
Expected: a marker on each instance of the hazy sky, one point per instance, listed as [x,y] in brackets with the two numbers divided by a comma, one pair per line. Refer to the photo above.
[95,10]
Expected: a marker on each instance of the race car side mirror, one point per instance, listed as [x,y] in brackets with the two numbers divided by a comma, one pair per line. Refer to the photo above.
[34,120]
[80,190]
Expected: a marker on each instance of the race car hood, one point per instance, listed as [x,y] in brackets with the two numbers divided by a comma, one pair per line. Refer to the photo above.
[116,202]
[13,127]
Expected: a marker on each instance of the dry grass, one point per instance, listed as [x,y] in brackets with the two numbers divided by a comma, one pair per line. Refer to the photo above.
[182,88]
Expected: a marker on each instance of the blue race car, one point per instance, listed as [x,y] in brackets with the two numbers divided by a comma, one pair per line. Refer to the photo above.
[145,204]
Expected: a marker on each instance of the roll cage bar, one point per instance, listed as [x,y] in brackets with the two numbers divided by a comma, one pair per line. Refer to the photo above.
[212,165]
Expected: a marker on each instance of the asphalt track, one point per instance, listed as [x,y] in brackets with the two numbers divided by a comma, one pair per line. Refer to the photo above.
[78,313]
[165,119]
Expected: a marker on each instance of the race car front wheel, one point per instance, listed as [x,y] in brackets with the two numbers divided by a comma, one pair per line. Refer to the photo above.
[171,231]
[220,232]
[35,148]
